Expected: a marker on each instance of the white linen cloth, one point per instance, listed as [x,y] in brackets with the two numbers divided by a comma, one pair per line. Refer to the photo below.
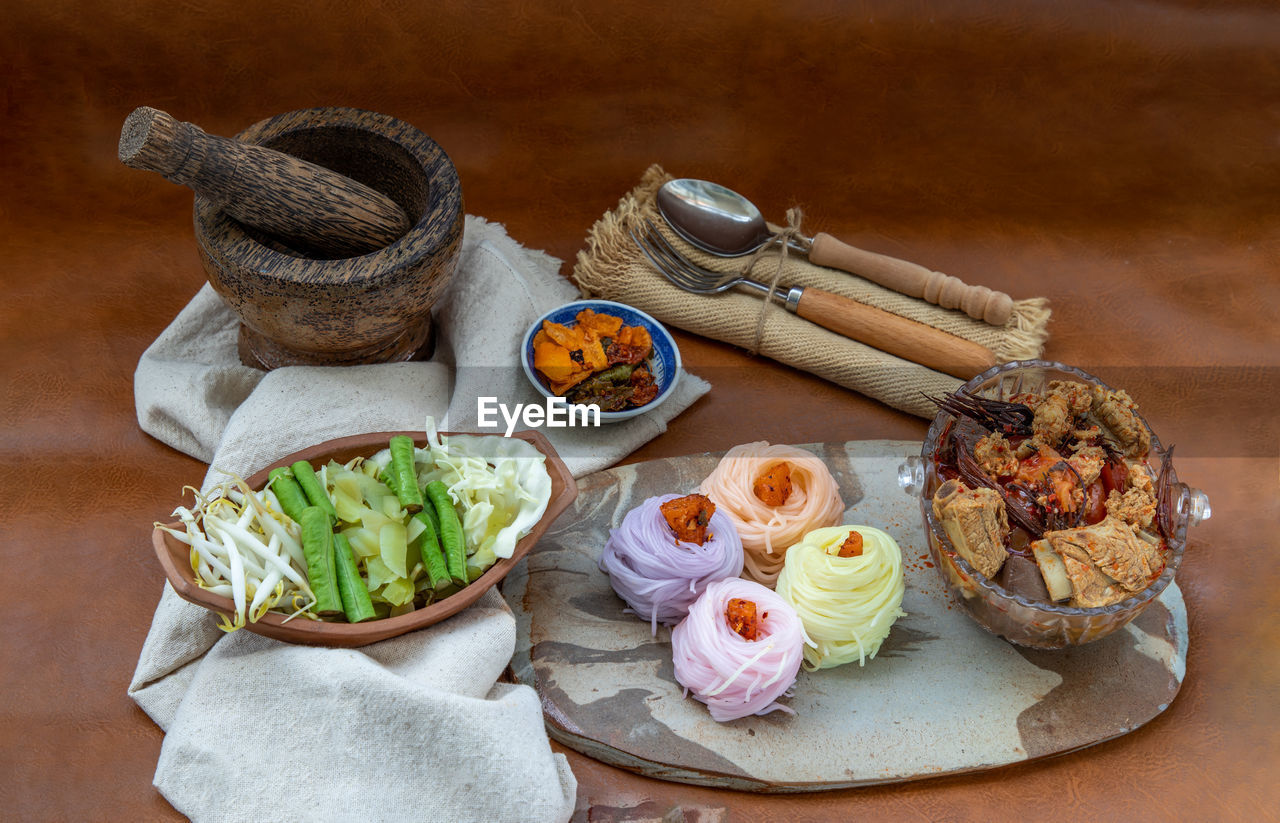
[412,728]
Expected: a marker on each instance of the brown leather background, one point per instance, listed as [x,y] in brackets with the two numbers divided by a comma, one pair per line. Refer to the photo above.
[1121,158]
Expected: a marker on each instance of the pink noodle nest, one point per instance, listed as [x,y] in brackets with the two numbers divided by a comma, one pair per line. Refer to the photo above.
[734,676]
[659,576]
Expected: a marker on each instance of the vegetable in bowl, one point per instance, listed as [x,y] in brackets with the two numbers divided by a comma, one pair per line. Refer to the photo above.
[497,496]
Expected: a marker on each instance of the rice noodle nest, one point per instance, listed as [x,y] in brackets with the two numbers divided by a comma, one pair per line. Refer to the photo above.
[847,604]
[659,576]
[768,531]
[733,676]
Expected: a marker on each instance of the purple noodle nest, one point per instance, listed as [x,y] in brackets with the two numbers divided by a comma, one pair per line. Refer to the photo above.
[658,576]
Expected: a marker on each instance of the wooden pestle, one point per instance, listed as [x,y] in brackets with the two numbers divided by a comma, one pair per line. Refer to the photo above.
[305,205]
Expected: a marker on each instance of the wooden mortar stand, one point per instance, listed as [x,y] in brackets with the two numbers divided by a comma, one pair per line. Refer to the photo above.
[300,309]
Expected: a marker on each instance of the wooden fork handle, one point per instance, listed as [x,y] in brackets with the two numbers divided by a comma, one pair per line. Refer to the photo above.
[979,302]
[895,334]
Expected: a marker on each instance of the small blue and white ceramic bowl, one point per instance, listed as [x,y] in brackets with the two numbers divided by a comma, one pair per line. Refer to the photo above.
[664,362]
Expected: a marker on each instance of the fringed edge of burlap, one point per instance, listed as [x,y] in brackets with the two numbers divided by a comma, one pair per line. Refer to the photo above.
[608,244]
[1026,331]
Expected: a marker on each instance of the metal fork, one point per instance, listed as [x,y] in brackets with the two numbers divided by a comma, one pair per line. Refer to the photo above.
[691,277]
[883,330]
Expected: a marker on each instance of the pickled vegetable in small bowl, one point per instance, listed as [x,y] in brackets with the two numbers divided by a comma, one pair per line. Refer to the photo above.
[604,353]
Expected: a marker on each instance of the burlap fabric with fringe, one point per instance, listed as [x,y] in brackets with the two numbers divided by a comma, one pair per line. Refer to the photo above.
[612,267]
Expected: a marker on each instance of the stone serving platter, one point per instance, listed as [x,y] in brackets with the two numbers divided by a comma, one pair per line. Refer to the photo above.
[943,696]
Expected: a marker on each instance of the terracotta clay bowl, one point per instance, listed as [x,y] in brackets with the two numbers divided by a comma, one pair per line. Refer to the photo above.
[175,556]
[298,307]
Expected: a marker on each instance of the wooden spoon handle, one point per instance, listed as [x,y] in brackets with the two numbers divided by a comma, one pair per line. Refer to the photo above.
[312,207]
[895,334]
[979,302]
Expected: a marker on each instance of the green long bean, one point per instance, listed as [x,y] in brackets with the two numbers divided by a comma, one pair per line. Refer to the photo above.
[451,538]
[356,602]
[387,478]
[311,487]
[429,547]
[288,492]
[317,547]
[404,475]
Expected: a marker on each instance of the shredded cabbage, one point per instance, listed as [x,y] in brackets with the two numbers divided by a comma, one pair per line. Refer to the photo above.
[501,483]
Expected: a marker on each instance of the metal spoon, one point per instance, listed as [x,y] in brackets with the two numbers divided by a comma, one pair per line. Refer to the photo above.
[722,222]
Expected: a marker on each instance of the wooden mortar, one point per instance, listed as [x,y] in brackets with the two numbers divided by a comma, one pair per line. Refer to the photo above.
[306,308]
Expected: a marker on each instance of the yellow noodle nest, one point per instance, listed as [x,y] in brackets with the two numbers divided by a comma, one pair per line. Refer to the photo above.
[847,604]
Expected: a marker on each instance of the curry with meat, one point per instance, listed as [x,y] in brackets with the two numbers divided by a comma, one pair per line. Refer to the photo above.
[1057,483]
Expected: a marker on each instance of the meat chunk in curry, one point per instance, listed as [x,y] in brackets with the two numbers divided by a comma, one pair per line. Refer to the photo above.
[976,522]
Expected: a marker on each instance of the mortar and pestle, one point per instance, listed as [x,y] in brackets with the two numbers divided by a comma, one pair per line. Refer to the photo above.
[330,232]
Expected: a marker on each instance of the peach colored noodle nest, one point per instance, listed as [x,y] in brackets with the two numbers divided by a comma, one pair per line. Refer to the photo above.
[768,531]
